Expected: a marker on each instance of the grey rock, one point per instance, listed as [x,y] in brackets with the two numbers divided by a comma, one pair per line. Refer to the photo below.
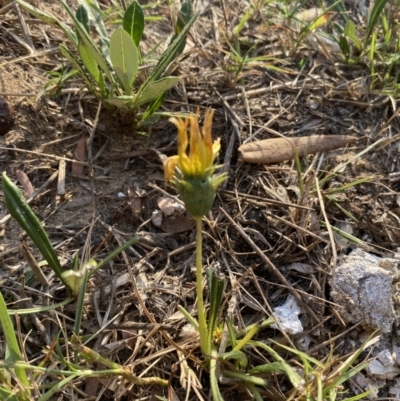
[363,289]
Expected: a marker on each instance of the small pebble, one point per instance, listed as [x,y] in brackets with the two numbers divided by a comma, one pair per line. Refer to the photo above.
[6,116]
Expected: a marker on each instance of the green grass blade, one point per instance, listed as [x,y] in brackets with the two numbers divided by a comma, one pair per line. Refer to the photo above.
[124,58]
[14,353]
[374,16]
[8,395]
[23,214]
[57,387]
[258,381]
[133,22]
[113,254]
[268,368]
[188,317]
[168,56]
[293,376]
[39,309]
[362,396]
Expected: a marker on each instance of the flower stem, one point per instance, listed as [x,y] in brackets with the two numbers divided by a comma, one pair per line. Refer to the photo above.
[199,288]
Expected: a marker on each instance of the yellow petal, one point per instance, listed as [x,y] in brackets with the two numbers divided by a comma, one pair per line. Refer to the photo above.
[169,167]
[207,135]
[182,134]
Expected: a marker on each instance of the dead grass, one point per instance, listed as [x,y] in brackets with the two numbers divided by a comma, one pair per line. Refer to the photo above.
[261,222]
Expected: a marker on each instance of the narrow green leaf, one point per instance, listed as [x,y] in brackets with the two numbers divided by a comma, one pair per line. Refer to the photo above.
[133,22]
[96,19]
[14,353]
[95,16]
[47,18]
[71,58]
[114,254]
[374,16]
[89,61]
[23,214]
[184,15]
[344,45]
[148,117]
[124,58]
[91,46]
[39,309]
[258,381]
[235,355]
[268,368]
[168,56]
[293,376]
[7,395]
[155,89]
[351,32]
[83,17]
[216,394]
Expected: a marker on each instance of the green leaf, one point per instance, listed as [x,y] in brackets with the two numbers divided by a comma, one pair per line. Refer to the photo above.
[14,353]
[184,15]
[120,101]
[47,18]
[89,61]
[71,58]
[168,56]
[235,355]
[344,46]
[216,288]
[133,22]
[155,89]
[351,33]
[91,46]
[124,58]
[23,214]
[268,368]
[374,16]
[148,117]
[114,254]
[83,17]
[96,19]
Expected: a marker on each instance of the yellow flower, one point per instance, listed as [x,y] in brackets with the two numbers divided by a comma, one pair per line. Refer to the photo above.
[195,179]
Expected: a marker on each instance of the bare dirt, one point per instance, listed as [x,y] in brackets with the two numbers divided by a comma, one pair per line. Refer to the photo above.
[121,185]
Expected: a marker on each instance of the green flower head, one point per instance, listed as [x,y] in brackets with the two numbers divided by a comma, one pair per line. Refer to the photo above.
[193,174]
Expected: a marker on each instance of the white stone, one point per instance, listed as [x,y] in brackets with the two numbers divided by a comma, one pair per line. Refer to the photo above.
[288,316]
[385,358]
[157,218]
